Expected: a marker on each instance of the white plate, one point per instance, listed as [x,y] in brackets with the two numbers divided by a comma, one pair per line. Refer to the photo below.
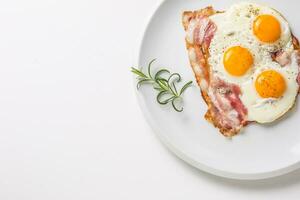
[259,152]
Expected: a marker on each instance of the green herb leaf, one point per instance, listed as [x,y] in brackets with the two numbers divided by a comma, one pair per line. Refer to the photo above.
[185,87]
[149,68]
[157,75]
[175,107]
[138,72]
[163,84]
[160,98]
[140,82]
[166,87]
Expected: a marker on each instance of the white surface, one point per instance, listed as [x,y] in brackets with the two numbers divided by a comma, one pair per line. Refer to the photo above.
[69,132]
[262,151]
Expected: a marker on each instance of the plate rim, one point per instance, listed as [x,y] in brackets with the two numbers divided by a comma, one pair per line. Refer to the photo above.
[180,154]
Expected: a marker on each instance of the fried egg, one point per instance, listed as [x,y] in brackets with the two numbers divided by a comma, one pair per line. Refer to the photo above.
[240,53]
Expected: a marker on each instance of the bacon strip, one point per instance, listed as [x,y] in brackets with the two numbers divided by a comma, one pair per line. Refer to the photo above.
[204,32]
[229,109]
[236,103]
[281,57]
[284,58]
[225,109]
[297,57]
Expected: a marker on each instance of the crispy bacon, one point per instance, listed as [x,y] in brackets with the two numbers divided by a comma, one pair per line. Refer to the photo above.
[295,42]
[298,79]
[281,57]
[202,63]
[226,110]
[228,107]
[204,32]
[297,57]
[209,34]
[236,103]
[199,31]
[284,58]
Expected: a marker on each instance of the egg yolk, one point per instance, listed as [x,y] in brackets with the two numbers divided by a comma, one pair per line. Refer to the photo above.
[237,60]
[270,84]
[267,28]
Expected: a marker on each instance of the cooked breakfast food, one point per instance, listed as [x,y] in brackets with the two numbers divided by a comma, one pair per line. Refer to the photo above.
[246,63]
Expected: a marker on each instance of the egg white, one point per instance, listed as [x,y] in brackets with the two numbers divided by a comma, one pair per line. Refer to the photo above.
[264,110]
[234,28]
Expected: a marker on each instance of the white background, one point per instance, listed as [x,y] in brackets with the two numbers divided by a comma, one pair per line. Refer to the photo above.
[70,127]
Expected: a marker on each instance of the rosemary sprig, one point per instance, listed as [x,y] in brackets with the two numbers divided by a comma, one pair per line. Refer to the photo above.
[167,91]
